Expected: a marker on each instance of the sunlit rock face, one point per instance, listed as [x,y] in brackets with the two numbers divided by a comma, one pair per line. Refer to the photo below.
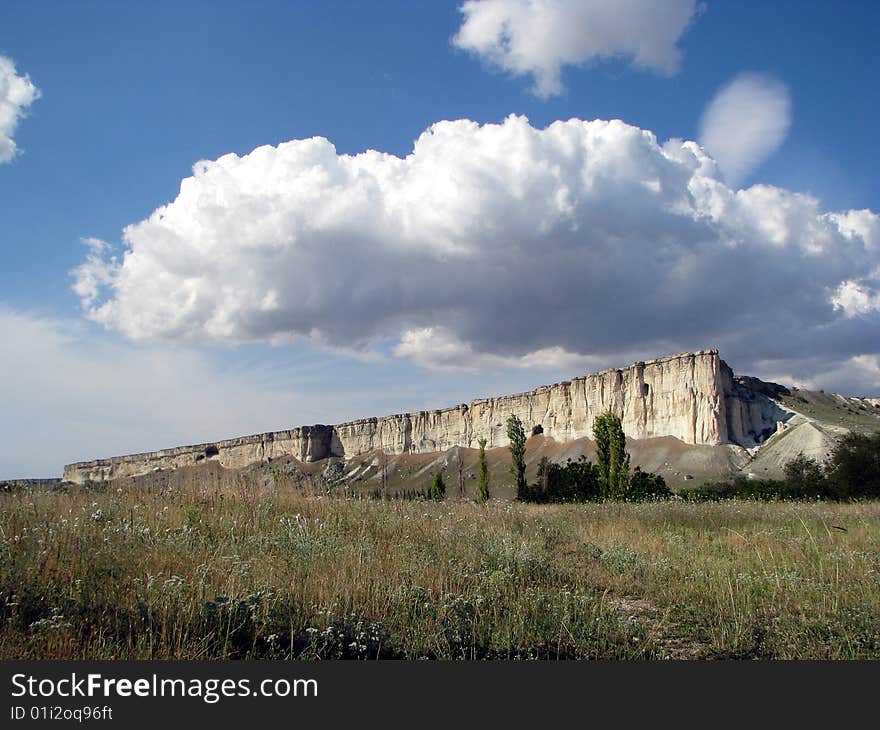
[692,397]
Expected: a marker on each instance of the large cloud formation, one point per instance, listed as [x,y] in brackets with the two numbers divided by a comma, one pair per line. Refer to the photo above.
[17,93]
[499,243]
[539,37]
[745,123]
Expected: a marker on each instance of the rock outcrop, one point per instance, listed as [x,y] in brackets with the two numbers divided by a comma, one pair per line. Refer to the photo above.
[692,397]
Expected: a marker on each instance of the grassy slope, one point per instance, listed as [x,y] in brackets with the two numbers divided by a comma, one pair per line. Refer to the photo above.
[833,411]
[208,571]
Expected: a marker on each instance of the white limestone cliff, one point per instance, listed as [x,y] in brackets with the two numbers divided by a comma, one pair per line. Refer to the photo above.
[692,397]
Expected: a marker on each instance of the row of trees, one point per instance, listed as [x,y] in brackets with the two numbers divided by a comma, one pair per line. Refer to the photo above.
[852,471]
[438,486]
[581,480]
[574,481]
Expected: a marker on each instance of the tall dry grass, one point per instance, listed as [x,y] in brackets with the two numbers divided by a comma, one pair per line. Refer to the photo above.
[242,573]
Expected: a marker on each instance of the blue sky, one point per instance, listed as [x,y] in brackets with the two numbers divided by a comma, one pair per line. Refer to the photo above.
[132,95]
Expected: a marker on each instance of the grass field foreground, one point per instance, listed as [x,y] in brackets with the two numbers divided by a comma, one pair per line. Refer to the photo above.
[202,574]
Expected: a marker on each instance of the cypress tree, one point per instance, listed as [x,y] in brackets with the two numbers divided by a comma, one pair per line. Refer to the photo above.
[517,436]
[438,488]
[482,474]
[611,455]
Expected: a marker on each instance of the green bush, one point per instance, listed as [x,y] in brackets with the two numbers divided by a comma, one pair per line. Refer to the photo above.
[438,487]
[804,479]
[575,481]
[853,469]
[647,486]
[709,492]
[851,472]
[737,488]
[580,481]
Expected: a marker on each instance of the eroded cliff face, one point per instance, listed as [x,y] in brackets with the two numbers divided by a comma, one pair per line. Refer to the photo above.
[752,414]
[692,397]
[677,396]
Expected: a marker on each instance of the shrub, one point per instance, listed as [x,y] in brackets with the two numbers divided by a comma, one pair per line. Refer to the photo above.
[852,472]
[709,492]
[579,481]
[739,487]
[645,485]
[575,481]
[804,479]
[438,488]
[853,469]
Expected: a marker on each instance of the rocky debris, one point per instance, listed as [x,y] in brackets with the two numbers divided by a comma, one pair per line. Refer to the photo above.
[333,472]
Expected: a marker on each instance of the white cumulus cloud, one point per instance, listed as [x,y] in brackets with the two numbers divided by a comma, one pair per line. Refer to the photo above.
[586,241]
[436,348]
[540,37]
[857,299]
[95,272]
[17,93]
[745,123]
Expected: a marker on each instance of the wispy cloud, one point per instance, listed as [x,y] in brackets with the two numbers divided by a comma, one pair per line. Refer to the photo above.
[17,93]
[436,348]
[745,124]
[68,395]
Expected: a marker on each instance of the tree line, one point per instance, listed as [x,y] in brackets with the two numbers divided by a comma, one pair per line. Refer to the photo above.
[582,481]
[851,472]
[575,481]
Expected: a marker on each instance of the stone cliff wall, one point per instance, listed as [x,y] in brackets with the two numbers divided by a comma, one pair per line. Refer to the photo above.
[752,415]
[691,396]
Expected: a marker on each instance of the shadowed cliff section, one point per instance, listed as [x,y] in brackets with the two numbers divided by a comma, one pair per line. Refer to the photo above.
[692,397]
